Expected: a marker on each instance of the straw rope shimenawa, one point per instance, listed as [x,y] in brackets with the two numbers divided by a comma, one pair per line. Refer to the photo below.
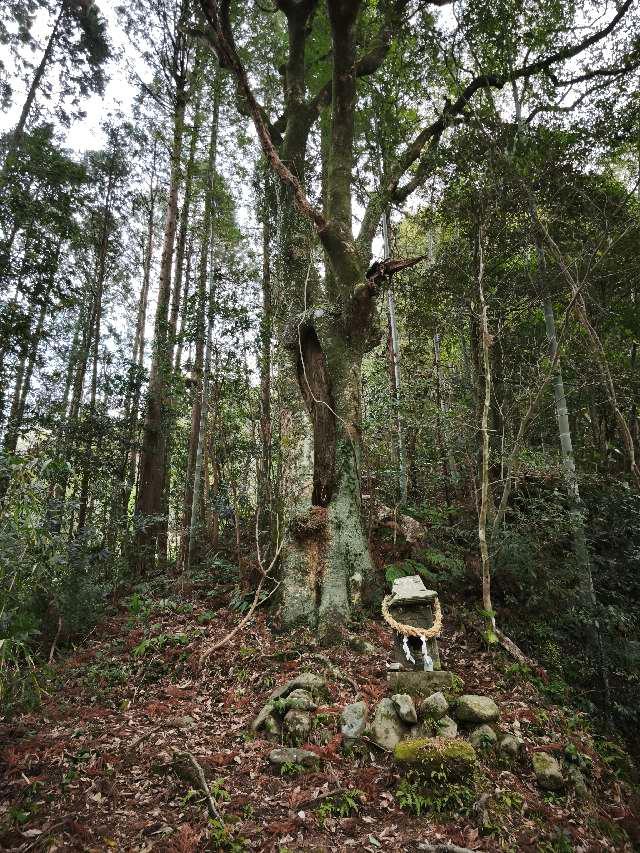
[411,630]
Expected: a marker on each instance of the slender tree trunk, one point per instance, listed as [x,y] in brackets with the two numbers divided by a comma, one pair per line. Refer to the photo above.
[101,273]
[395,371]
[200,436]
[594,339]
[149,498]
[442,441]
[13,303]
[23,380]
[487,604]
[196,509]
[581,547]
[264,506]
[192,488]
[185,213]
[132,406]
[163,536]
[68,434]
[177,367]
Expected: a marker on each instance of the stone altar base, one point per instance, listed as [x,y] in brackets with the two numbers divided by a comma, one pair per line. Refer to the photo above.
[418,683]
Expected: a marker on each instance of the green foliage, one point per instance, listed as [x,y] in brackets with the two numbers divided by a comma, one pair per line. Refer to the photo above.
[342,804]
[205,617]
[448,569]
[280,705]
[434,795]
[615,757]
[50,588]
[291,768]
[574,756]
[221,837]
[138,606]
[157,643]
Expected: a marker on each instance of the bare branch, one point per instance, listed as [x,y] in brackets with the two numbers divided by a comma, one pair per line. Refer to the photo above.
[390,189]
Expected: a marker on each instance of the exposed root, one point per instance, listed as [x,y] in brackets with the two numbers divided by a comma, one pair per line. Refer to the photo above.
[335,671]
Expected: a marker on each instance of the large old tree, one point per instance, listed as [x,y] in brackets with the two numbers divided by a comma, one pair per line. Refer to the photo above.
[331,314]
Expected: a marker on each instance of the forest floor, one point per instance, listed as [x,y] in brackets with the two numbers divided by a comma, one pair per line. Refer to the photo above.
[93,767]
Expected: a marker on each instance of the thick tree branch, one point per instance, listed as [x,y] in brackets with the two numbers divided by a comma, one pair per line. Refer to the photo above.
[217,15]
[371,61]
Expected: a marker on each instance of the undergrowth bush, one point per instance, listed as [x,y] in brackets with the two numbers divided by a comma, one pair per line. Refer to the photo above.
[50,588]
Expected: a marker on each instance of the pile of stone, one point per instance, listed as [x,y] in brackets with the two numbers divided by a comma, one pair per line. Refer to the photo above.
[419,730]
[400,717]
[287,715]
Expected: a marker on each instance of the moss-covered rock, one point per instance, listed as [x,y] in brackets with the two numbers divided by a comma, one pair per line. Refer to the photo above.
[297,725]
[483,737]
[455,759]
[434,707]
[353,720]
[510,746]
[548,772]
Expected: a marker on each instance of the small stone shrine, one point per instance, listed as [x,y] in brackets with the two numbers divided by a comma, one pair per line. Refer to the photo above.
[413,611]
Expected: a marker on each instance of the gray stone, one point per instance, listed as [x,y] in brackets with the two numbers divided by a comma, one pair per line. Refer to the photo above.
[362,646]
[510,745]
[548,772]
[314,684]
[578,781]
[476,709]
[301,700]
[293,694]
[297,724]
[434,707]
[418,683]
[405,707]
[387,729]
[483,736]
[292,755]
[353,720]
[447,727]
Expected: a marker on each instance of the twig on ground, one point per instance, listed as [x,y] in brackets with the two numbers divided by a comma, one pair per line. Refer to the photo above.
[211,803]
[209,650]
[137,741]
[324,796]
[55,641]
[514,650]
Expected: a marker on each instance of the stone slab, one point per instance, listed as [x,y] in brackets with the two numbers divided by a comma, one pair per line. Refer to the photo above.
[418,683]
[410,590]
